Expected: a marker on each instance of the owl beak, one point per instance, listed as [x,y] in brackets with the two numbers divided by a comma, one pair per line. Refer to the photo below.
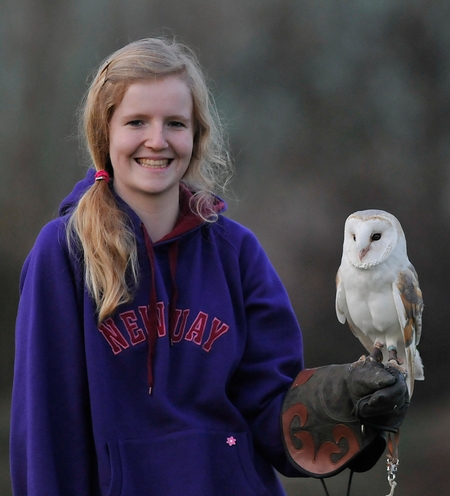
[363,253]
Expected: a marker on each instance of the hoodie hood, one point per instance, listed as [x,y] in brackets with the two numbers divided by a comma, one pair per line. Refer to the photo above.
[78,191]
[187,219]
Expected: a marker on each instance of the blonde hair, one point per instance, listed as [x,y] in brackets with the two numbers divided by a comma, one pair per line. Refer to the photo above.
[97,224]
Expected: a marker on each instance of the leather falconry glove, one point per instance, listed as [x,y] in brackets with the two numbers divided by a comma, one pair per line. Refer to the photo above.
[334,417]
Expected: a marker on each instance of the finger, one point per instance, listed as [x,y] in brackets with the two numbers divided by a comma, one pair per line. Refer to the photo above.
[384,401]
[367,408]
[397,394]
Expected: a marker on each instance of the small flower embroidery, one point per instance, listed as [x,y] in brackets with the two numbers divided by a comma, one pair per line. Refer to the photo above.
[231,441]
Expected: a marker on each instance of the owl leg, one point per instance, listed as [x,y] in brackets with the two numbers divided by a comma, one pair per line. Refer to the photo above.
[395,361]
[393,355]
[376,355]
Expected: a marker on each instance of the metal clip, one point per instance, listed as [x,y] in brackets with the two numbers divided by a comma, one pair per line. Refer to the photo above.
[392,465]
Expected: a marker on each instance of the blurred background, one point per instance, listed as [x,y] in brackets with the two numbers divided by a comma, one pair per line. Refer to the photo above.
[331,107]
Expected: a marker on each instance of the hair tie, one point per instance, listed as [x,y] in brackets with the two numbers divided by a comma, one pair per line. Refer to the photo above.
[102,175]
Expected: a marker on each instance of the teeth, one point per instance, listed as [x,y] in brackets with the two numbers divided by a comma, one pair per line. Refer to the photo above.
[146,162]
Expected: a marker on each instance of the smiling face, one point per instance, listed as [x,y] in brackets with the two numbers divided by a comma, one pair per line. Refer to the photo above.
[151,135]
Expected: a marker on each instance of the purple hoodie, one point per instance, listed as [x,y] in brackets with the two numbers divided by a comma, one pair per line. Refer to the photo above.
[210,328]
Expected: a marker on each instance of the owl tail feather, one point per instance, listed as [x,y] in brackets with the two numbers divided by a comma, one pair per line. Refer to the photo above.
[418,368]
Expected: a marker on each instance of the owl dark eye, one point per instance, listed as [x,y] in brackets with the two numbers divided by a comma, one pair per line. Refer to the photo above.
[354,237]
[376,236]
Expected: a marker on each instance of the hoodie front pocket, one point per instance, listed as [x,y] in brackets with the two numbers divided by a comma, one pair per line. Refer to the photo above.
[115,469]
[194,462]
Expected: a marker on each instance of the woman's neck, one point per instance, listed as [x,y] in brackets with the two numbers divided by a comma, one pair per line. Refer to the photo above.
[158,224]
[159,214]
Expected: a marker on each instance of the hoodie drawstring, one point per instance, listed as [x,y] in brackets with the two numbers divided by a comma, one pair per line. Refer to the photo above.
[173,258]
[152,334]
[152,331]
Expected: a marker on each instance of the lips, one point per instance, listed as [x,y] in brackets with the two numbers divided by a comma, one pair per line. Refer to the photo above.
[154,164]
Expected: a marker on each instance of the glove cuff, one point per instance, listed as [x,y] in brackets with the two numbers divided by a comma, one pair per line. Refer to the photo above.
[321,435]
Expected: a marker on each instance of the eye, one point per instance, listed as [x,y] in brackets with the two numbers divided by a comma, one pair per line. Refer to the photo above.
[376,236]
[176,124]
[135,123]
[354,237]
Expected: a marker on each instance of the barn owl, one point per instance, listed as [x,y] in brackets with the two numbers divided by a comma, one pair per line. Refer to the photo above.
[377,291]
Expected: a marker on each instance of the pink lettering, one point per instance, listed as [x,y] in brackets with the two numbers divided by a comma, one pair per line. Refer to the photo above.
[197,329]
[144,314]
[136,334]
[178,333]
[113,336]
[161,319]
[215,333]
[161,328]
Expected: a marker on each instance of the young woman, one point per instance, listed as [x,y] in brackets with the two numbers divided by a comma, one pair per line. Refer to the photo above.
[155,343]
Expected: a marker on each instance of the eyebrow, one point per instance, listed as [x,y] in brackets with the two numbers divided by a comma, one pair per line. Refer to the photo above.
[143,116]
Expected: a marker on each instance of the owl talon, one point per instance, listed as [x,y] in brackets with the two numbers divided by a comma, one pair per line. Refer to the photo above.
[361,360]
[396,364]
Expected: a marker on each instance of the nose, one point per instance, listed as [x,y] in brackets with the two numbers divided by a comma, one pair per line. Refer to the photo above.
[155,138]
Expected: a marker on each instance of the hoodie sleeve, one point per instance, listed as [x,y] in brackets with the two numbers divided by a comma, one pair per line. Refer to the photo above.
[273,355]
[51,441]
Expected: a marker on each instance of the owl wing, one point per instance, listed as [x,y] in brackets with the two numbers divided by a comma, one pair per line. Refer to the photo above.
[409,304]
[343,314]
[341,302]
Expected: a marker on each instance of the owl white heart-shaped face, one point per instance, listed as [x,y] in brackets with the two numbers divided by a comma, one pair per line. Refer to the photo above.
[369,240]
